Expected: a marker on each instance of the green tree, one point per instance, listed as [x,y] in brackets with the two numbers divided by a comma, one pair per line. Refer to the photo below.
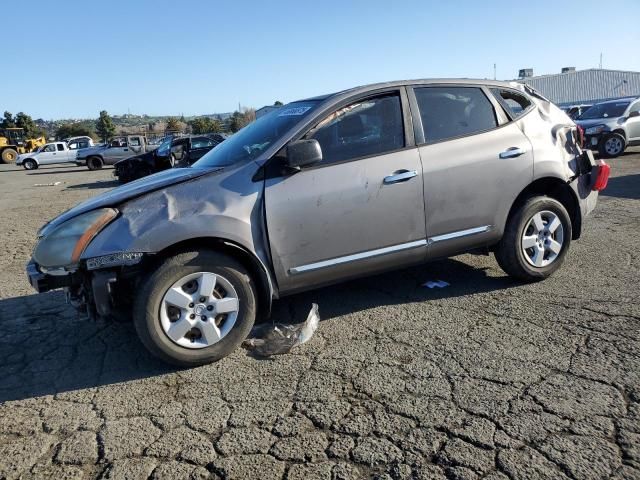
[277,103]
[216,126]
[67,130]
[8,121]
[206,125]
[173,124]
[31,130]
[105,127]
[239,120]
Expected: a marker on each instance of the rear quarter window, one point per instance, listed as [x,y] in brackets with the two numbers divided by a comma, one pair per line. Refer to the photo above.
[515,103]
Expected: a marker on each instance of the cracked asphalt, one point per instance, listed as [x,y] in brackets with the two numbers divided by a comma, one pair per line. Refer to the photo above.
[486,378]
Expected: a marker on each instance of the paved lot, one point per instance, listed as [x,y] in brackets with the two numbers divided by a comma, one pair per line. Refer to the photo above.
[484,379]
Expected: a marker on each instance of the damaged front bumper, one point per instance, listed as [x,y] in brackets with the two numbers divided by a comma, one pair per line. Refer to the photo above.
[97,287]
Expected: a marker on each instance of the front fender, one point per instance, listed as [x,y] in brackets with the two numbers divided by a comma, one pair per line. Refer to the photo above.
[224,207]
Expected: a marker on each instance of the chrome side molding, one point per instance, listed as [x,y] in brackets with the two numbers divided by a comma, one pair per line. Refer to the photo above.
[357,256]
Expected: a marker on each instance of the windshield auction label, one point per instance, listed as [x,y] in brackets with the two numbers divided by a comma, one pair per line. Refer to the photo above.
[288,112]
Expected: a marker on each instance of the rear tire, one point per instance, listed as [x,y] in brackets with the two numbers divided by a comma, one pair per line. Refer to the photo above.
[29,164]
[152,314]
[612,146]
[9,155]
[94,163]
[531,254]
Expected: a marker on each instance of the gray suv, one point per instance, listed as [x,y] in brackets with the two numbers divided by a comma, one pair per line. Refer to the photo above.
[320,191]
[610,127]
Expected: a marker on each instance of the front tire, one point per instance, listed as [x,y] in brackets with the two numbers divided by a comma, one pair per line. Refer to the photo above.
[29,164]
[536,239]
[612,146]
[195,308]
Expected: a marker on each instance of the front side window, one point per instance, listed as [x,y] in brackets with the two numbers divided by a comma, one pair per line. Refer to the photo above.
[449,112]
[514,102]
[251,141]
[372,126]
[49,148]
[202,142]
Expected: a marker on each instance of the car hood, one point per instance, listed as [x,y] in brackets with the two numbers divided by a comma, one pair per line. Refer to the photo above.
[121,194]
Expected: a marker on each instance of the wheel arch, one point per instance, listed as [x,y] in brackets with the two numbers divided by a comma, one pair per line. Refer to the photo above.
[264,284]
[621,132]
[558,189]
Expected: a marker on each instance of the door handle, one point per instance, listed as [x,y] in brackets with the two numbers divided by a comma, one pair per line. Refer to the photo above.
[126,149]
[512,152]
[400,176]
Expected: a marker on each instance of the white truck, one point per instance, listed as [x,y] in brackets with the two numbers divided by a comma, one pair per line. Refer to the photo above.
[117,149]
[54,152]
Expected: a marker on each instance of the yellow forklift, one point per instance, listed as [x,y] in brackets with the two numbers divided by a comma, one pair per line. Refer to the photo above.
[13,143]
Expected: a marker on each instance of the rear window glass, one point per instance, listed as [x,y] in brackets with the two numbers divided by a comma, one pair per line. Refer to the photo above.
[449,112]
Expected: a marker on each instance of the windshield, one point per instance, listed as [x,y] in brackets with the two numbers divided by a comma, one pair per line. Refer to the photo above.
[605,110]
[165,147]
[256,137]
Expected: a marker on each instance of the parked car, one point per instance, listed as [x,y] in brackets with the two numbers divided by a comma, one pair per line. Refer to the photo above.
[320,191]
[574,111]
[117,149]
[173,152]
[610,127]
[50,153]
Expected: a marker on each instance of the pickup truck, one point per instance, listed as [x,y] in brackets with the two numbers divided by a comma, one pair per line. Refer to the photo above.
[117,149]
[55,152]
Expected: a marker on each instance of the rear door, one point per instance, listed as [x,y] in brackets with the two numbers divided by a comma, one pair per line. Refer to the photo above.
[476,160]
[358,211]
[118,149]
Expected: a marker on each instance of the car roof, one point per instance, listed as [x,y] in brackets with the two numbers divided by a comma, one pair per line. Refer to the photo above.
[423,81]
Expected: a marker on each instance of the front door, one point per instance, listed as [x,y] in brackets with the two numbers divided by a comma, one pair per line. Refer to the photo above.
[118,149]
[360,210]
[48,154]
[476,161]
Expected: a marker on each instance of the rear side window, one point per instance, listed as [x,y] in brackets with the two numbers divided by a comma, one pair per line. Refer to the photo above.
[514,102]
[449,112]
[372,126]
[60,147]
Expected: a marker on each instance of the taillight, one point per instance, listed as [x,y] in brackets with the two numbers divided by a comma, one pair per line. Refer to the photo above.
[602,177]
[580,136]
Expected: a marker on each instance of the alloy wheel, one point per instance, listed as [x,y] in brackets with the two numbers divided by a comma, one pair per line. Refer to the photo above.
[542,239]
[199,310]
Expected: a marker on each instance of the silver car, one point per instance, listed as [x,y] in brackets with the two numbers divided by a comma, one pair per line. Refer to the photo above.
[610,127]
[320,191]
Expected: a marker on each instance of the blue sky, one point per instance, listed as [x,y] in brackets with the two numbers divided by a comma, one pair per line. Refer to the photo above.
[71,58]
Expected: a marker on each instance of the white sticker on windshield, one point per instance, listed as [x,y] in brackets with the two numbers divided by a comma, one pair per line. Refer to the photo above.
[294,111]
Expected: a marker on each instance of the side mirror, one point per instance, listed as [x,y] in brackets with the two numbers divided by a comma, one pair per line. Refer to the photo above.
[634,114]
[303,152]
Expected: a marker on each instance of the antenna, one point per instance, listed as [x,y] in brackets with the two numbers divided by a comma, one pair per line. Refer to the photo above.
[494,71]
[600,67]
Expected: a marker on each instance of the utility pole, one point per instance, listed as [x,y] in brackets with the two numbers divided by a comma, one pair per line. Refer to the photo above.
[600,67]
[494,71]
